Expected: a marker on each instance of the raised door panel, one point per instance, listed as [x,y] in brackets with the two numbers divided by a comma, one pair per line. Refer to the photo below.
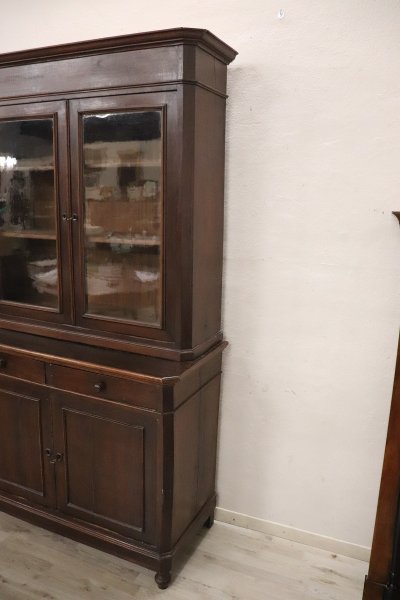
[126,199]
[25,470]
[107,476]
[35,267]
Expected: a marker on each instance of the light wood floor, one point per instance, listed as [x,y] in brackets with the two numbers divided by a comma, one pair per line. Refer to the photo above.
[225,563]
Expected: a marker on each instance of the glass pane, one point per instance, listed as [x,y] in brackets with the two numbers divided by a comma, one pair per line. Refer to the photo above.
[123,208]
[28,248]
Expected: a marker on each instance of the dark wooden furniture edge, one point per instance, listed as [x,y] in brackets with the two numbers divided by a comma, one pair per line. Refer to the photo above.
[373,590]
[128,344]
[201,519]
[386,530]
[99,538]
[167,37]
[167,380]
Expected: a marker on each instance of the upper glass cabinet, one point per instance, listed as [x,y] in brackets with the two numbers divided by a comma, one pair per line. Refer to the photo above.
[122,190]
[28,248]
[81,234]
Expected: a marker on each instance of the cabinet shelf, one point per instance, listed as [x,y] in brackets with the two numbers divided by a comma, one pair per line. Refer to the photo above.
[33,168]
[126,165]
[121,239]
[29,234]
[45,163]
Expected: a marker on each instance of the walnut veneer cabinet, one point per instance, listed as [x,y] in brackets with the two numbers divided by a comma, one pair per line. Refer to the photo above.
[111,219]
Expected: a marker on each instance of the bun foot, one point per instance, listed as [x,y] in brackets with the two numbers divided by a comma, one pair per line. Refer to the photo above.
[210,522]
[163,579]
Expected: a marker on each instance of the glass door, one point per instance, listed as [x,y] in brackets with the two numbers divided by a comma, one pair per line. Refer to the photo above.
[33,193]
[119,143]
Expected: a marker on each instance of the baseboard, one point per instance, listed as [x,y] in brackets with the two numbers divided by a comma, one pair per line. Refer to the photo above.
[295,535]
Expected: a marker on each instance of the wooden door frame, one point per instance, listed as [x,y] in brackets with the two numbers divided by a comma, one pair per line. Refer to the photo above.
[167,103]
[56,110]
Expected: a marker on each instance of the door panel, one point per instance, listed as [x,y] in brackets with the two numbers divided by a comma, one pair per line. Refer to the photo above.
[34,261]
[102,468]
[24,435]
[120,184]
[107,476]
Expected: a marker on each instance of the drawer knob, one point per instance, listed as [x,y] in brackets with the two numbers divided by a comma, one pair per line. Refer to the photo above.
[3,363]
[100,387]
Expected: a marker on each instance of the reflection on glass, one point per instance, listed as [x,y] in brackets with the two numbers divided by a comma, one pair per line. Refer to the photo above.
[28,249]
[123,206]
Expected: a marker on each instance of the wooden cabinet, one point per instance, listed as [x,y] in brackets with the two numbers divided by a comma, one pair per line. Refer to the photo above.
[111,219]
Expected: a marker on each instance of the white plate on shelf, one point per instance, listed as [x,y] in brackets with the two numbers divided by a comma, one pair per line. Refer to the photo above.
[93,229]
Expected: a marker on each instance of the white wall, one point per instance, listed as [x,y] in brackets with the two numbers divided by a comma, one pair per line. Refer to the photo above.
[312,273]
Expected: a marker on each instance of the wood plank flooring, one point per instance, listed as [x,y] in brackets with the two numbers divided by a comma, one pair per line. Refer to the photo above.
[225,563]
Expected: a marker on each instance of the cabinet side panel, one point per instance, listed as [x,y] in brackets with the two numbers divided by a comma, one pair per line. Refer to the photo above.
[195,444]
[186,445]
[202,67]
[210,71]
[196,378]
[209,409]
[208,218]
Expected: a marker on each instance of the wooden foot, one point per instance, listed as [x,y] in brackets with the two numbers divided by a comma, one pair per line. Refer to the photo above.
[163,579]
[210,522]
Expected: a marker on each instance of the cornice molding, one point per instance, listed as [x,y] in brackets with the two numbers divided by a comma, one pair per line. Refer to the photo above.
[166,37]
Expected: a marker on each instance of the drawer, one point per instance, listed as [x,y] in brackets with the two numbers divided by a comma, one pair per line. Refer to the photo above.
[97,384]
[22,367]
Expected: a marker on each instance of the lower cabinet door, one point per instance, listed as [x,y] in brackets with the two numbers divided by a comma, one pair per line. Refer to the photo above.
[26,469]
[106,464]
